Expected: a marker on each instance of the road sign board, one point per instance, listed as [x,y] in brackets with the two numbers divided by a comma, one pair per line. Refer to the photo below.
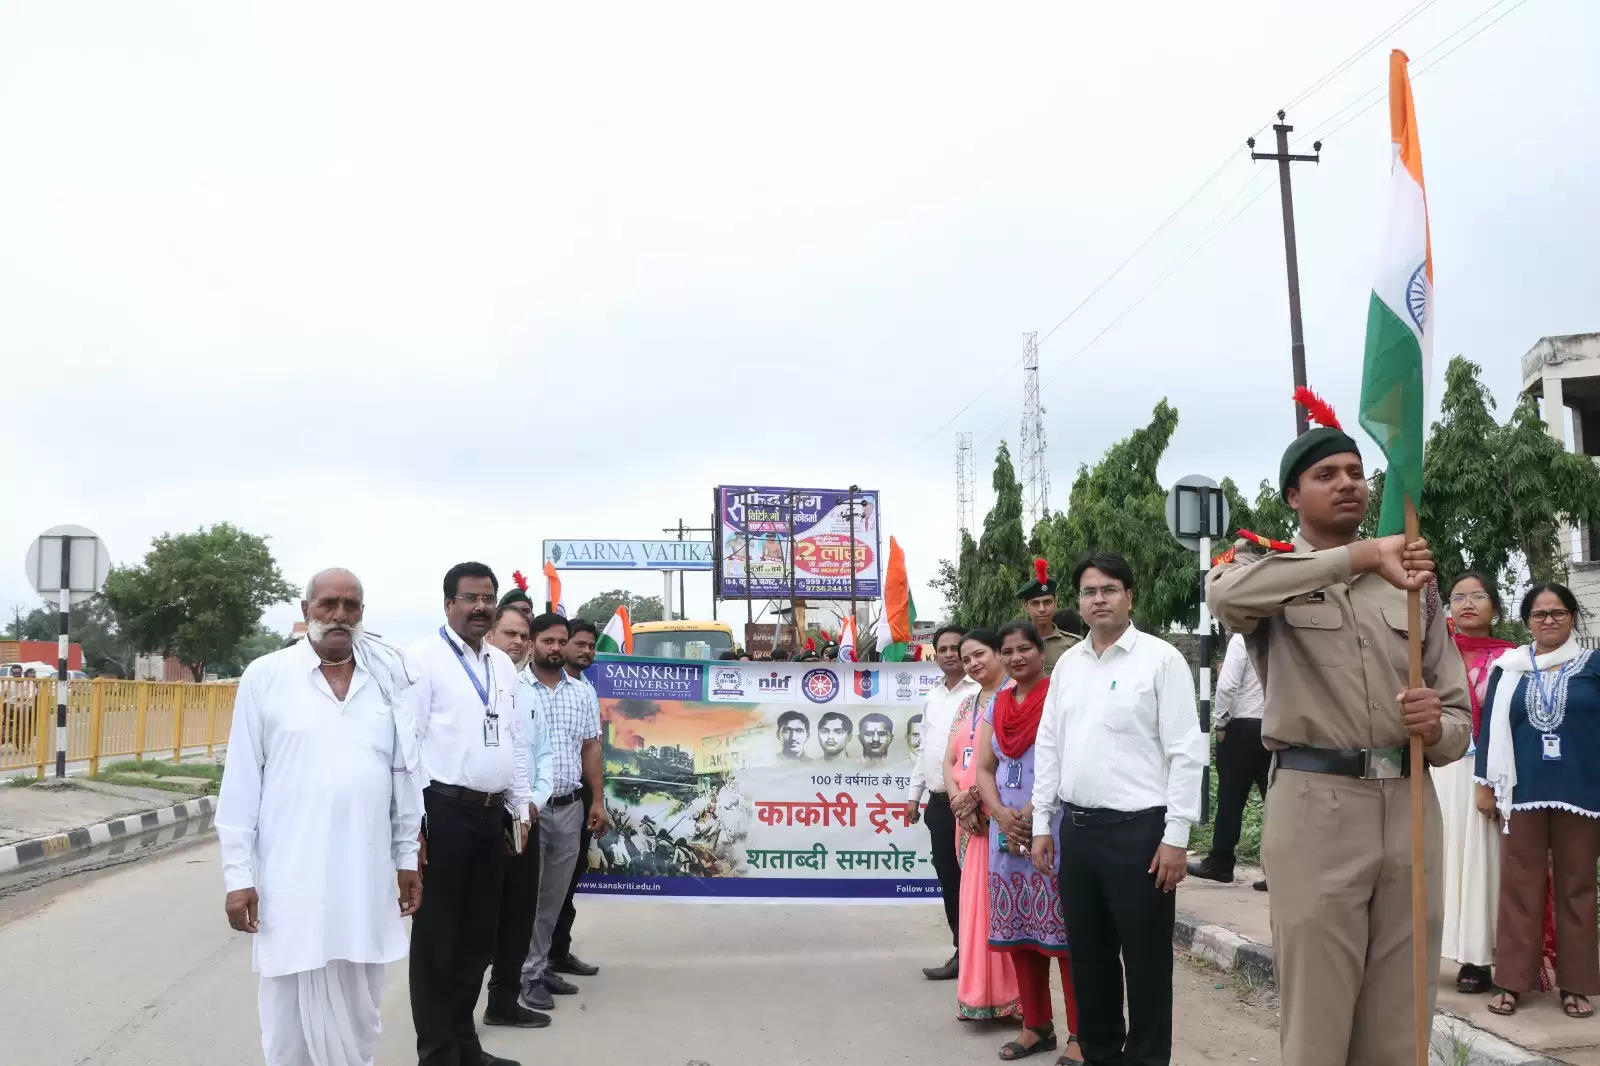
[1196,508]
[88,562]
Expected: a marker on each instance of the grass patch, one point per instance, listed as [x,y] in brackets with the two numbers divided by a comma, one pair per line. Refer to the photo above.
[198,778]
[20,781]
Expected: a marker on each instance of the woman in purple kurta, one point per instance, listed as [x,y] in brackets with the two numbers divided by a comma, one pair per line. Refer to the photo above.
[1025,917]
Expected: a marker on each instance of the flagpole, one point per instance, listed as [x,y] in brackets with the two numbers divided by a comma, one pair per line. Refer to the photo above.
[1419,877]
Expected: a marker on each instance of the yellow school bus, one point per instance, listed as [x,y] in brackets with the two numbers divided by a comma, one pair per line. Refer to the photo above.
[687,639]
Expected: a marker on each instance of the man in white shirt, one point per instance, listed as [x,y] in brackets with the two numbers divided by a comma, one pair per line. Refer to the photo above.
[927,778]
[572,716]
[519,889]
[1120,748]
[1242,760]
[322,726]
[475,754]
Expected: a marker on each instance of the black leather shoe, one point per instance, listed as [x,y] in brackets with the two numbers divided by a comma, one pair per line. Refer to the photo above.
[948,972]
[558,986]
[573,965]
[496,1060]
[538,998]
[514,1014]
[1210,869]
[1261,885]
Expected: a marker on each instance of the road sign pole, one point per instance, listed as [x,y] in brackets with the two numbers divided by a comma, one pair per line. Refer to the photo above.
[1205,678]
[63,620]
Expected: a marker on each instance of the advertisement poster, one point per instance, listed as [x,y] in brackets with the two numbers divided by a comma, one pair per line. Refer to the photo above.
[761,781]
[768,534]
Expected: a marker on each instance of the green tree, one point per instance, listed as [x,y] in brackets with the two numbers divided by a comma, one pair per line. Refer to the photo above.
[1496,496]
[90,625]
[197,596]
[993,567]
[1120,505]
[640,608]
[262,641]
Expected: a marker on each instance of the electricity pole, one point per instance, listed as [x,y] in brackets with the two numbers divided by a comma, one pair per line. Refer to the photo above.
[680,529]
[1297,340]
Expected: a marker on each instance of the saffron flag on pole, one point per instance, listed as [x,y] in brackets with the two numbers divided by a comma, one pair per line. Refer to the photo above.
[1394,378]
[617,637]
[552,591]
[847,640]
[899,612]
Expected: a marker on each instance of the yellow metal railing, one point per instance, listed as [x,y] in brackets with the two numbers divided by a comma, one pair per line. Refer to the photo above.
[108,719]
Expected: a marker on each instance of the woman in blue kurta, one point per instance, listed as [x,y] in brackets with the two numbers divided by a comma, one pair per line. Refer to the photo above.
[1539,749]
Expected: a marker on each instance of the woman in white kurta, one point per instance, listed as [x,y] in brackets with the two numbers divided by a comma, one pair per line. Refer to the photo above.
[320,806]
[1471,837]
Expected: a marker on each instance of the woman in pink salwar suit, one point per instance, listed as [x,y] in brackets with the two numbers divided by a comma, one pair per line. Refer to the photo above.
[987,985]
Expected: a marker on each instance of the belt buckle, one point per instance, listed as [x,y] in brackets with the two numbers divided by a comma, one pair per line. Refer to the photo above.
[488,798]
[1381,764]
[1079,819]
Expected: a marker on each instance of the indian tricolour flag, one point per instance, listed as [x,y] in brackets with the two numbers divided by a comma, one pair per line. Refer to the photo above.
[899,612]
[1394,380]
[617,637]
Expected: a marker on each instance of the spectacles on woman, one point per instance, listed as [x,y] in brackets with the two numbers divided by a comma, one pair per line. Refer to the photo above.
[1469,597]
[1554,614]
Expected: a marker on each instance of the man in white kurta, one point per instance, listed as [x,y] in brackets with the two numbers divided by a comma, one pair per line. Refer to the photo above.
[318,821]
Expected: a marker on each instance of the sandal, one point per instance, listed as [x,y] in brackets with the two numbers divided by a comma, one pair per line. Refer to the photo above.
[1012,1051]
[1504,1002]
[1065,1059]
[1575,1005]
[1473,980]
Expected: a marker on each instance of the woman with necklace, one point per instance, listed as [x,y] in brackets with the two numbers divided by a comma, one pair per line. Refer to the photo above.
[1471,832]
[1025,916]
[987,982]
[1539,751]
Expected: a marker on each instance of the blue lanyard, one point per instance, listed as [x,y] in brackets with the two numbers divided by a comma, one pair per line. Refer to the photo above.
[483,691]
[1546,701]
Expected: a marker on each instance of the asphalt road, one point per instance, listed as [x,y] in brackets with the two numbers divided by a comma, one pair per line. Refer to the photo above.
[136,965]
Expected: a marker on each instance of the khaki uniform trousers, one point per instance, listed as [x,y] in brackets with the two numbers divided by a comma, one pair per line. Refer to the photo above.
[1338,853]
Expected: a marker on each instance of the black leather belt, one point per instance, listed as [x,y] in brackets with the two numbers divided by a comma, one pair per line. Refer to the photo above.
[1083,816]
[468,795]
[571,797]
[1369,764]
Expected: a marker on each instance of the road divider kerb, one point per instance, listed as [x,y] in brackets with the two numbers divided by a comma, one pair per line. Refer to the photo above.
[39,850]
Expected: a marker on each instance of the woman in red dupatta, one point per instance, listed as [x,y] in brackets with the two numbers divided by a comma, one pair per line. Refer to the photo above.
[1025,915]
[1471,827]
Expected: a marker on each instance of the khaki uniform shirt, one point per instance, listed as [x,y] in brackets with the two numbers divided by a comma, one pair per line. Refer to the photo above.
[1055,646]
[1331,650]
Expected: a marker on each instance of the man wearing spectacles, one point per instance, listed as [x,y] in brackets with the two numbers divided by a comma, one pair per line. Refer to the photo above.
[474,752]
[1325,622]
[1119,747]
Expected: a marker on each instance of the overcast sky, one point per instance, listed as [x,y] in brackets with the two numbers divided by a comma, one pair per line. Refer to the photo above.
[408,288]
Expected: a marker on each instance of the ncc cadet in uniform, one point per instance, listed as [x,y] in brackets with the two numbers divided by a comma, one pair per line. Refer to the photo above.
[1039,600]
[1325,623]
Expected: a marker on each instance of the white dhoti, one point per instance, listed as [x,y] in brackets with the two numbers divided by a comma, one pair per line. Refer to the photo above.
[1471,867]
[324,1017]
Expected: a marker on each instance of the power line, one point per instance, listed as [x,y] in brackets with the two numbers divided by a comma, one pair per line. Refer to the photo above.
[1355,56]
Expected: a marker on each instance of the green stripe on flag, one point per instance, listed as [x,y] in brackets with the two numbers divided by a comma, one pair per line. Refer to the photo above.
[1391,409]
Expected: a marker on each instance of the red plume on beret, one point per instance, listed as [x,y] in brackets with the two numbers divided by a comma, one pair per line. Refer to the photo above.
[520,579]
[1318,410]
[1041,570]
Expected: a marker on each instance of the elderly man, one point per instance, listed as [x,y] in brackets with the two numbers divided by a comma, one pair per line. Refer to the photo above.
[319,727]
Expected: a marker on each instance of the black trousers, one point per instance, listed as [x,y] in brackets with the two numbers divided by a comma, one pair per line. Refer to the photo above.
[1118,922]
[519,898]
[561,940]
[1241,762]
[452,935]
[942,835]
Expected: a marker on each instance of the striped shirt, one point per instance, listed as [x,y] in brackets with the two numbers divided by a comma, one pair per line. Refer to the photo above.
[571,715]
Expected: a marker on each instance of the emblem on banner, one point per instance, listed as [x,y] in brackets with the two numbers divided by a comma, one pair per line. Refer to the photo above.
[773,682]
[866,683]
[903,681]
[727,682]
[820,686]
